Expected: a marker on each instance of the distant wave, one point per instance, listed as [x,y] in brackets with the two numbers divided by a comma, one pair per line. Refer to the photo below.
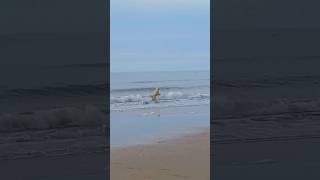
[180,80]
[149,89]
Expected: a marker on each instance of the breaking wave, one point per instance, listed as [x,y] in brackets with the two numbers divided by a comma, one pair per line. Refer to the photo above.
[171,98]
[172,95]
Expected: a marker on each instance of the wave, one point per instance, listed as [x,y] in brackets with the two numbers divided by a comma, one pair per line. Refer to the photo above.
[172,95]
[89,115]
[168,99]
[150,89]
[129,98]
[178,80]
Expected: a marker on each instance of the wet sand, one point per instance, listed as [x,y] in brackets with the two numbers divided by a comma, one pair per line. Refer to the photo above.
[186,157]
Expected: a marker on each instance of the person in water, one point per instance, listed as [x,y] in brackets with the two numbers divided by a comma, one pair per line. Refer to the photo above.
[155,94]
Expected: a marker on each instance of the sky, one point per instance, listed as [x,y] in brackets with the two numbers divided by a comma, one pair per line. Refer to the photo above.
[159,35]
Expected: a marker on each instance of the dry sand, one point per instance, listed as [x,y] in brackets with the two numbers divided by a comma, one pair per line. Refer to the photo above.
[186,158]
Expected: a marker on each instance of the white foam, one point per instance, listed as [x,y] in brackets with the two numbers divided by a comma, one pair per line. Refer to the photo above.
[171,98]
[124,99]
[172,95]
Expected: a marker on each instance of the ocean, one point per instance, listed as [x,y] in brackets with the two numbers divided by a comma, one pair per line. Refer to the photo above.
[183,106]
[131,90]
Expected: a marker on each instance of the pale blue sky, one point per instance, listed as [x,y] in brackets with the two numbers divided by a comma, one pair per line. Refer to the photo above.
[160,35]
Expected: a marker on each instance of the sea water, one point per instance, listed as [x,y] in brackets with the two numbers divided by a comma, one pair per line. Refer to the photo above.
[182,107]
[131,90]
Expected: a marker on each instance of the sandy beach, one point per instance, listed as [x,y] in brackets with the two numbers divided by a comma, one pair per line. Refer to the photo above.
[163,140]
[185,157]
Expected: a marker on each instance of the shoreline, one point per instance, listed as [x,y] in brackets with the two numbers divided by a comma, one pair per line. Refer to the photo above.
[164,139]
[186,156]
[151,125]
